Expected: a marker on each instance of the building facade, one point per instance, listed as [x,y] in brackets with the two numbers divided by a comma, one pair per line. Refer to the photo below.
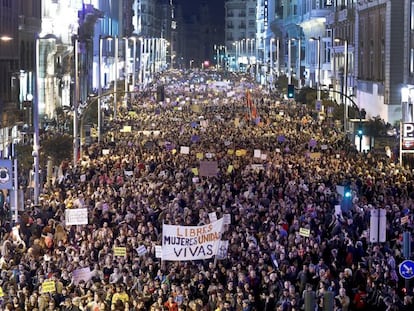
[381,51]
[20,22]
[241,33]
[9,59]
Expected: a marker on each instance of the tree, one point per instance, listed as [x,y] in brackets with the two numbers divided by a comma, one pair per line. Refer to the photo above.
[57,147]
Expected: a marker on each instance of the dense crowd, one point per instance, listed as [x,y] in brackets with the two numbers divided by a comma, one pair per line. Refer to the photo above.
[138,180]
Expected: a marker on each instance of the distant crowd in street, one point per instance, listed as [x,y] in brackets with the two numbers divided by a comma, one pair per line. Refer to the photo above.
[293,234]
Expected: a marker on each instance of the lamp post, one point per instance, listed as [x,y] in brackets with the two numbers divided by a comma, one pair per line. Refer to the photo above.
[100,89]
[289,66]
[243,49]
[134,61]
[345,81]
[271,59]
[36,144]
[247,50]
[100,64]
[126,41]
[217,57]
[236,54]
[277,57]
[298,68]
[318,41]
[115,76]
[75,105]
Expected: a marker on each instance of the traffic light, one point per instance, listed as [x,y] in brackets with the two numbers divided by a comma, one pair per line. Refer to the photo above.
[291,91]
[359,132]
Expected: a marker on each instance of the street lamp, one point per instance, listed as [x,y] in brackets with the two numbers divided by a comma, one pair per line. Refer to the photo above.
[345,80]
[248,52]
[271,58]
[126,41]
[243,50]
[75,104]
[236,57]
[115,76]
[278,57]
[318,40]
[5,38]
[99,89]
[100,57]
[298,68]
[217,57]
[110,38]
[289,72]
[252,44]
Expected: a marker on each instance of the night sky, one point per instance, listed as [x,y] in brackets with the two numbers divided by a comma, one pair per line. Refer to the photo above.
[216,8]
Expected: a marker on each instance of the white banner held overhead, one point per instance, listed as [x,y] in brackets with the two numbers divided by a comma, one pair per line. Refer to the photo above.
[76,216]
[182,243]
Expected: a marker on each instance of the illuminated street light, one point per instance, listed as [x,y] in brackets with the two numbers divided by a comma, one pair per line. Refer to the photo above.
[271,59]
[345,80]
[5,38]
[318,40]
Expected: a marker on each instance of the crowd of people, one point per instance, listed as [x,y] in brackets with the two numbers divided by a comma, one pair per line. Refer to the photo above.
[296,242]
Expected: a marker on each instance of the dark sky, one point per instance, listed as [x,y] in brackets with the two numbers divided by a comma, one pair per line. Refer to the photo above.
[216,8]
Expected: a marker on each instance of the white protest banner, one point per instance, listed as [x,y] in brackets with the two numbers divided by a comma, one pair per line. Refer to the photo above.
[82,274]
[105,151]
[158,251]
[83,177]
[222,250]
[338,211]
[212,216]
[227,219]
[209,155]
[142,250]
[257,153]
[182,243]
[76,216]
[184,150]
[128,173]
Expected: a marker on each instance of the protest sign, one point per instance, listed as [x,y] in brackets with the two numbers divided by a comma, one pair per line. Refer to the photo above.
[208,168]
[48,287]
[142,250]
[76,216]
[119,251]
[222,250]
[82,274]
[181,243]
[304,232]
[184,150]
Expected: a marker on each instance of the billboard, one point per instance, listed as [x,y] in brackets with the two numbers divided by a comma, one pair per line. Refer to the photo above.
[6,174]
[407,137]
